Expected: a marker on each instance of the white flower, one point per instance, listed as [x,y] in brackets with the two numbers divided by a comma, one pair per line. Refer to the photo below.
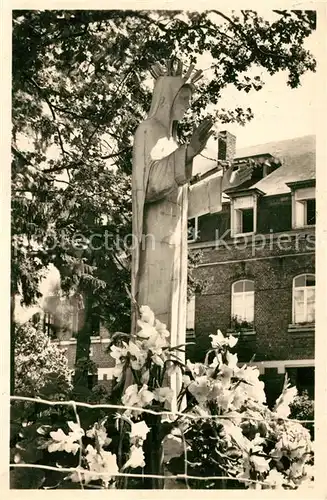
[155,343]
[224,399]
[197,369]
[226,373]
[136,458]
[118,352]
[161,329]
[147,315]
[140,429]
[63,442]
[297,469]
[104,463]
[146,331]
[232,341]
[218,340]
[200,388]
[157,360]
[138,355]
[231,360]
[100,432]
[145,395]
[130,397]
[261,464]
[275,479]
[135,397]
[164,394]
[282,407]
[77,431]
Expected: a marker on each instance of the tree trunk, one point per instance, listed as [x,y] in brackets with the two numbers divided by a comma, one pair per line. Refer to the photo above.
[153,452]
[83,345]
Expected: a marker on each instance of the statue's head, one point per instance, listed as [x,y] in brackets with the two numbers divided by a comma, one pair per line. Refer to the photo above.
[172,92]
[181,103]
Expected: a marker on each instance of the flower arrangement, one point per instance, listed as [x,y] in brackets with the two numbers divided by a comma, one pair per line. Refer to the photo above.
[225,430]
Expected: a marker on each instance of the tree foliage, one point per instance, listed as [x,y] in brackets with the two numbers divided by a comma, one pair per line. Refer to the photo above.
[80,87]
[41,367]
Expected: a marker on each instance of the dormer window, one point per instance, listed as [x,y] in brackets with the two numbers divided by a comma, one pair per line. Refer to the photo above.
[243,215]
[303,205]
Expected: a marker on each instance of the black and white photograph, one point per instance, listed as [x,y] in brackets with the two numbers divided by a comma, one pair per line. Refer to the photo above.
[163,315]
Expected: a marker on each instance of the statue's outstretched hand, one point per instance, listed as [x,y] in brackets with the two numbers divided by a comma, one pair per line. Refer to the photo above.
[199,138]
[242,175]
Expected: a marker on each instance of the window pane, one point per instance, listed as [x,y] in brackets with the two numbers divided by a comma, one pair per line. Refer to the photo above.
[310,280]
[238,287]
[248,286]
[238,221]
[300,280]
[237,306]
[299,296]
[299,213]
[310,313]
[311,212]
[247,220]
[299,309]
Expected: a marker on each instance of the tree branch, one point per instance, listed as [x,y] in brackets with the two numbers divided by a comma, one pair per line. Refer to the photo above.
[43,95]
[250,42]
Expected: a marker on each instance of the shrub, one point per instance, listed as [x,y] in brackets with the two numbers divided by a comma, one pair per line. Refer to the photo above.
[302,408]
[225,430]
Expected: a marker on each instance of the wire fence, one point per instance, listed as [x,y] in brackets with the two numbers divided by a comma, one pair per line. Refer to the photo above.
[80,471]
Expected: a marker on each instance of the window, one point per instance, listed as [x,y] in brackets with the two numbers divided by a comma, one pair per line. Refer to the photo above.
[190,314]
[192,230]
[243,216]
[304,298]
[243,303]
[303,378]
[304,207]
[310,212]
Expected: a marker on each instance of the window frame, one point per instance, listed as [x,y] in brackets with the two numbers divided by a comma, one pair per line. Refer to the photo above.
[243,294]
[252,204]
[300,198]
[304,288]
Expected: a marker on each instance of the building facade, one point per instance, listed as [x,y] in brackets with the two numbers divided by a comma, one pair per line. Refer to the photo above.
[258,264]
[62,319]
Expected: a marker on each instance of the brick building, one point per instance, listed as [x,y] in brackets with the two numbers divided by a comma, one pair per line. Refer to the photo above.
[258,262]
[62,319]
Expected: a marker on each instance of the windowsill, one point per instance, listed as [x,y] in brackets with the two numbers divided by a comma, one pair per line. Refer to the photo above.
[241,333]
[242,235]
[304,226]
[301,328]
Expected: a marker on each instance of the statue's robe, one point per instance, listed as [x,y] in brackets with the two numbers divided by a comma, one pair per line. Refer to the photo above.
[160,189]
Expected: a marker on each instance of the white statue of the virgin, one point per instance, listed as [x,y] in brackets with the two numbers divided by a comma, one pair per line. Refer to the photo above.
[162,170]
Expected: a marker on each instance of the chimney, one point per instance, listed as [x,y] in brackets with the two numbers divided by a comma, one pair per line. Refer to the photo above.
[226,146]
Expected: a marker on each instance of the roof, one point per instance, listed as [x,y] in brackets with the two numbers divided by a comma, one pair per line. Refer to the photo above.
[297,157]
[298,163]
